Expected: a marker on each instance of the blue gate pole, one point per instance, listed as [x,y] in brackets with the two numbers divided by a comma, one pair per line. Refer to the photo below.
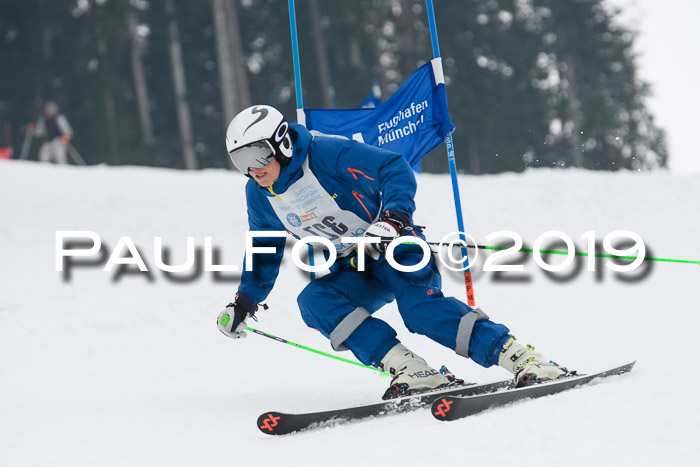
[300,97]
[453,167]
[295,56]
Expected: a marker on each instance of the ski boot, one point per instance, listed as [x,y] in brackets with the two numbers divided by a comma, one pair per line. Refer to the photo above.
[412,375]
[528,365]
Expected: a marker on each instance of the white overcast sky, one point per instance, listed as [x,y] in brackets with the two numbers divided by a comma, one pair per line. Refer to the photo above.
[669,58]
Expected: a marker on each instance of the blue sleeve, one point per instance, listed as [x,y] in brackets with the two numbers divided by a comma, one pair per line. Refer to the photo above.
[396,182]
[257,284]
[378,169]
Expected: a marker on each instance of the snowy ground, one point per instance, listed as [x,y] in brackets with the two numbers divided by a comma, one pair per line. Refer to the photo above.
[101,371]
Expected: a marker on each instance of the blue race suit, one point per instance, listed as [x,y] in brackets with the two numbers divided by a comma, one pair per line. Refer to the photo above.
[364,179]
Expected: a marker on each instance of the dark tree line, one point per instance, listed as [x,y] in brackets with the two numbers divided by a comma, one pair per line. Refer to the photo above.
[531,83]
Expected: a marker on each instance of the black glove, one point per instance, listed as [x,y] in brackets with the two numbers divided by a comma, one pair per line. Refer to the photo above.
[232,321]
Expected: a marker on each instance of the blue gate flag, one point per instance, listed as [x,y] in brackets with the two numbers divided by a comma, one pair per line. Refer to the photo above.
[412,122]
[373,98]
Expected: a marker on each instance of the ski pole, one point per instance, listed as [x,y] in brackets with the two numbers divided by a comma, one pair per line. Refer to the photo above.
[559,252]
[27,144]
[77,158]
[319,352]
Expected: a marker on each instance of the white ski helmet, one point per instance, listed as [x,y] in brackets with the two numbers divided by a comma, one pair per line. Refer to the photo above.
[256,135]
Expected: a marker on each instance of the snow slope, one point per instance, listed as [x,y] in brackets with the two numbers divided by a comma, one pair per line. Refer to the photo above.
[130,371]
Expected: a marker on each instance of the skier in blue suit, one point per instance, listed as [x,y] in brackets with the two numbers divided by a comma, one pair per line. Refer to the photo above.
[335,188]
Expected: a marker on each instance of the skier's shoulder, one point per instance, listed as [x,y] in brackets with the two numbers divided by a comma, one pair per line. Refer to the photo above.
[260,212]
[253,192]
[250,186]
[322,153]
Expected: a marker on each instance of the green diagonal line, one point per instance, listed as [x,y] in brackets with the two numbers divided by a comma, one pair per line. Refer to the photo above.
[558,252]
[316,351]
[597,255]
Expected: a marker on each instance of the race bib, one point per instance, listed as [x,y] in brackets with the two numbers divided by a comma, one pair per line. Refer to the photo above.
[306,209]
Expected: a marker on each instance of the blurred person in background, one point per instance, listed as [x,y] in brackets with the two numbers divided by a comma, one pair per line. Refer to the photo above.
[53,126]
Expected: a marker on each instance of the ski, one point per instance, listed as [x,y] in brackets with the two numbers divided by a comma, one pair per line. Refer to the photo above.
[280,423]
[455,406]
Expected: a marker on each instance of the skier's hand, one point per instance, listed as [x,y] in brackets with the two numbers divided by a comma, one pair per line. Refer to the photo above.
[65,139]
[232,321]
[384,230]
[391,224]
[31,126]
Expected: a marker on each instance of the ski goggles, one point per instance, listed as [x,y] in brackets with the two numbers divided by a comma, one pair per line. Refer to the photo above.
[256,155]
